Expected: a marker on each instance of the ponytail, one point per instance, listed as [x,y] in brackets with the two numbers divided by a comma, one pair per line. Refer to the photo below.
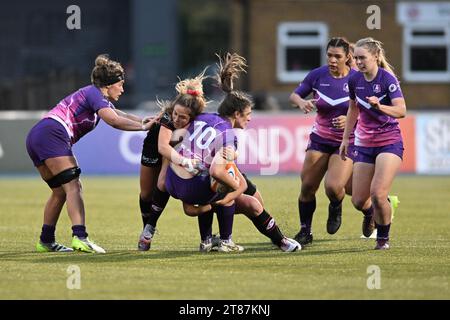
[229,69]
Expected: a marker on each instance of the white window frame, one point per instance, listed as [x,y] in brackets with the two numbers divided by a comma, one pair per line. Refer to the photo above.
[410,40]
[285,41]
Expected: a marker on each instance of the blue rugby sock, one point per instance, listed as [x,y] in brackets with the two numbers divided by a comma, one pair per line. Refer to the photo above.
[205,222]
[48,233]
[225,217]
[368,212]
[383,231]
[79,231]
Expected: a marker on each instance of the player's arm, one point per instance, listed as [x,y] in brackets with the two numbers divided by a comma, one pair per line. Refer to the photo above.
[234,194]
[350,121]
[194,211]
[164,147]
[305,105]
[133,117]
[397,110]
[128,115]
[112,118]
[219,172]
[167,151]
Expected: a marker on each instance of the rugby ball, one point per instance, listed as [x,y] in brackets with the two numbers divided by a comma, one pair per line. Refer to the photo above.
[218,187]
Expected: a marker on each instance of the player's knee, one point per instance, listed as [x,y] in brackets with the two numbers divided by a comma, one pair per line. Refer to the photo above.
[64,177]
[307,193]
[333,190]
[358,203]
[53,183]
[69,180]
[145,195]
[59,193]
[258,196]
[161,184]
[254,208]
[378,197]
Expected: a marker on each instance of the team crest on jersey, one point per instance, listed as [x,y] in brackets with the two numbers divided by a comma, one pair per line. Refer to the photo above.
[376,88]
[345,88]
[393,87]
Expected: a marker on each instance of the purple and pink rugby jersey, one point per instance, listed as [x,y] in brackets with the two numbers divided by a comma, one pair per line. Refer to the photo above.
[333,101]
[374,128]
[204,137]
[375,131]
[78,111]
[72,118]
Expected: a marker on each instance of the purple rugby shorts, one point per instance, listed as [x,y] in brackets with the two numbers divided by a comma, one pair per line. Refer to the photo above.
[48,139]
[369,154]
[317,143]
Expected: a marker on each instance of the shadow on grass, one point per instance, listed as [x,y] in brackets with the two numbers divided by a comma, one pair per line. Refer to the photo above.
[253,250]
[128,256]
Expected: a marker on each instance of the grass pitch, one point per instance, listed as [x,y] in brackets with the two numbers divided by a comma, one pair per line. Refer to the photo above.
[334,267]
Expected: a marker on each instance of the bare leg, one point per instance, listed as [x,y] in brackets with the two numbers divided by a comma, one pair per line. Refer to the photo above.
[362,177]
[314,168]
[56,201]
[148,179]
[338,174]
[72,189]
[386,167]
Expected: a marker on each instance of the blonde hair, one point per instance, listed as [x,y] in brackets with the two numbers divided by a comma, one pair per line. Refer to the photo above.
[375,47]
[229,69]
[190,95]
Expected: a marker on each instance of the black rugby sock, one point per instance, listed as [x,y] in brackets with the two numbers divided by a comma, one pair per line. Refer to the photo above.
[268,227]
[159,202]
[306,212]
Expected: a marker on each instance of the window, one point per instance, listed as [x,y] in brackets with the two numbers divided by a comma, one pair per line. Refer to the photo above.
[301,48]
[426,53]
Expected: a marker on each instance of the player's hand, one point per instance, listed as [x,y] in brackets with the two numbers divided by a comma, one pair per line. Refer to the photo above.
[191,165]
[173,143]
[308,105]
[148,122]
[147,119]
[374,102]
[230,154]
[339,122]
[343,149]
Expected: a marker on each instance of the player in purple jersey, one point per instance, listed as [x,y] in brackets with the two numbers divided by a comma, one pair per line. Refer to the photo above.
[205,140]
[176,114]
[250,208]
[49,145]
[376,102]
[235,111]
[329,85]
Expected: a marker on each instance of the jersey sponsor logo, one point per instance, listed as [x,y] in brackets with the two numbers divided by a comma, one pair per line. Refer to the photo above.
[377,88]
[324,84]
[393,87]
[360,88]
